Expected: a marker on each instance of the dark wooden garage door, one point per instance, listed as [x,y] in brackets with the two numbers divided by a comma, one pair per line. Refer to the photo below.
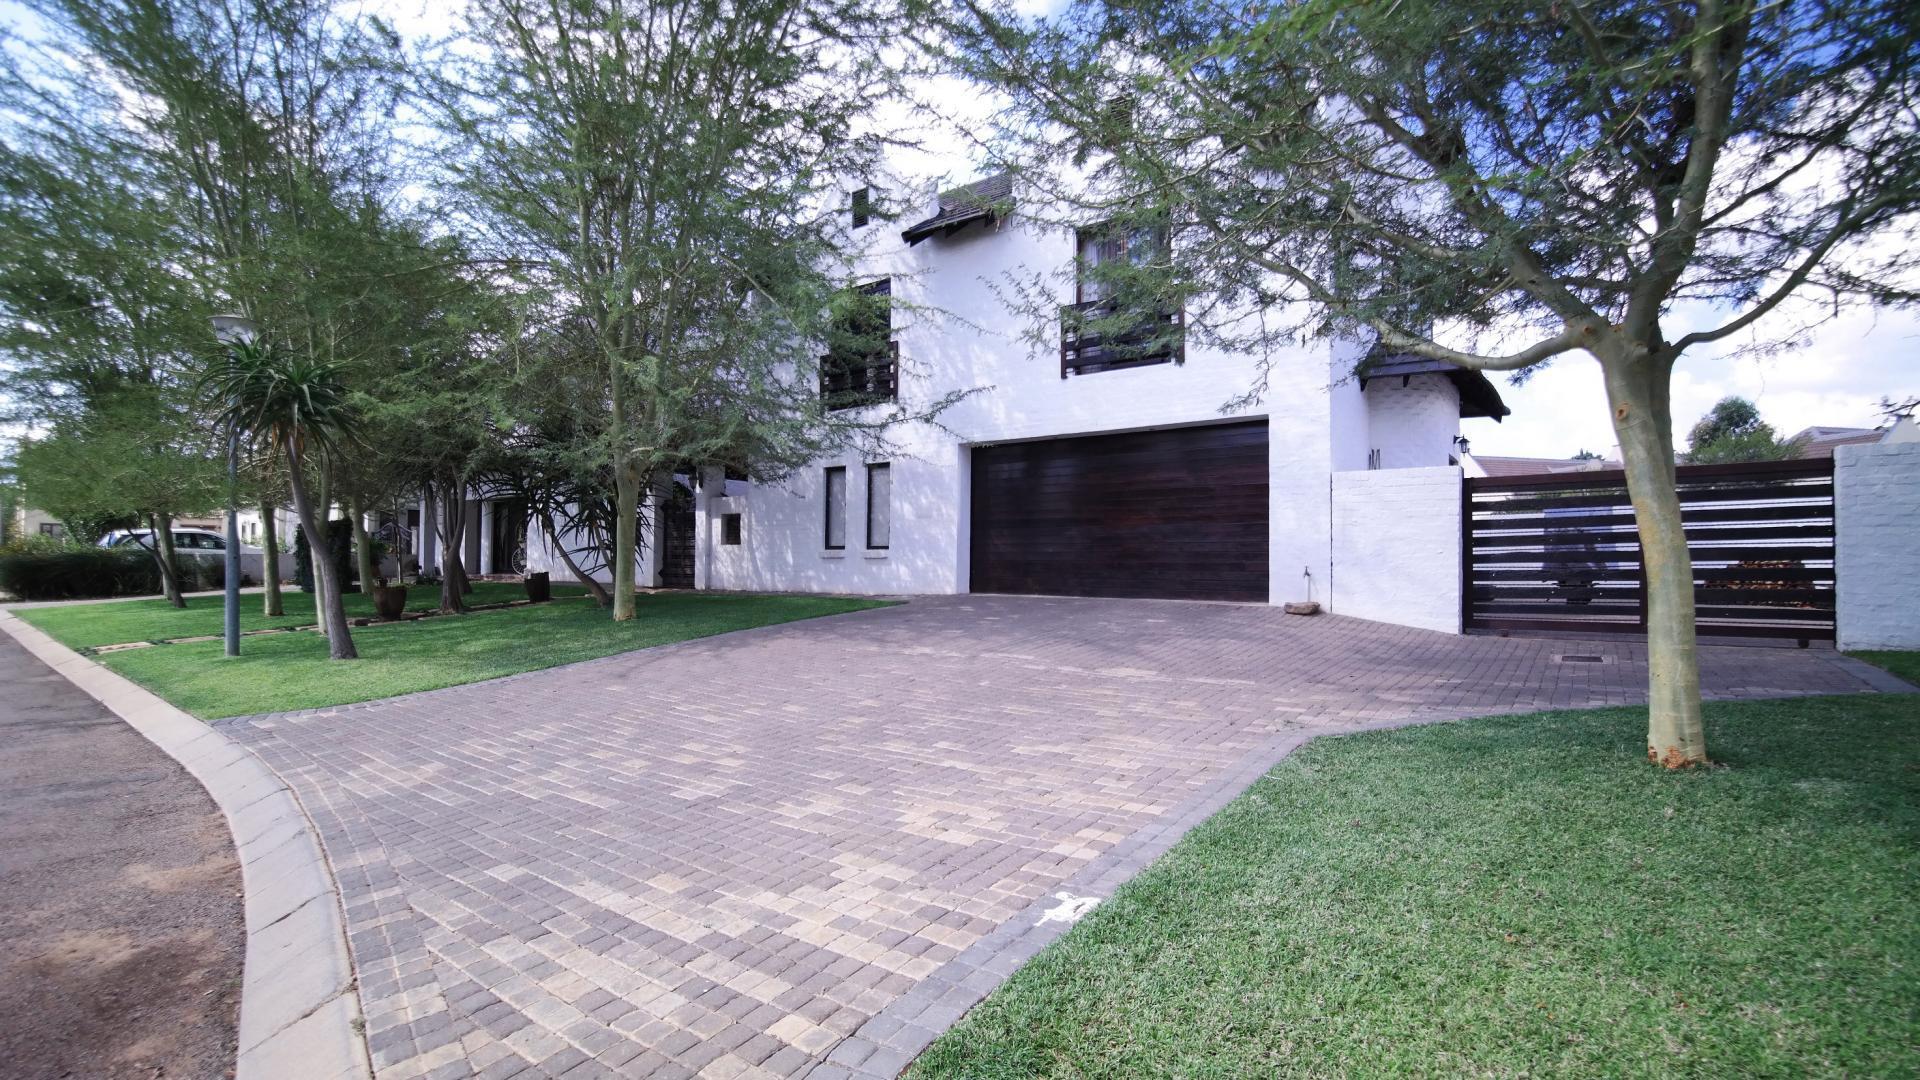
[1178,514]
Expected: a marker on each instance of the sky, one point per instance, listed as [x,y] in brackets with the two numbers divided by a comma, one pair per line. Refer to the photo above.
[1834,376]
[1833,379]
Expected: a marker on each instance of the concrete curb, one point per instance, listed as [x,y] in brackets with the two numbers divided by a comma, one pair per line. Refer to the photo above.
[299,1006]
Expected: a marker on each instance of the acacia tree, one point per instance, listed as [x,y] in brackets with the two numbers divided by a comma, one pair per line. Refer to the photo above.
[654,176]
[1493,184]
[96,329]
[137,458]
[257,128]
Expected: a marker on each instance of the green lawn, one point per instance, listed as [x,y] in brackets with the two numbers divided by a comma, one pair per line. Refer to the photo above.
[1904,664]
[1513,896]
[280,672]
[79,626]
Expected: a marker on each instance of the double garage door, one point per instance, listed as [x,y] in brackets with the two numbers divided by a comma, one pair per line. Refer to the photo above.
[1178,514]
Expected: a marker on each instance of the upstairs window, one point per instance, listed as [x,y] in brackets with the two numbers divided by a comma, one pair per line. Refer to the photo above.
[862,365]
[1104,252]
[860,208]
[1116,321]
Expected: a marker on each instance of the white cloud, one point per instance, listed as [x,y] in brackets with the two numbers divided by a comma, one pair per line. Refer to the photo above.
[1833,378]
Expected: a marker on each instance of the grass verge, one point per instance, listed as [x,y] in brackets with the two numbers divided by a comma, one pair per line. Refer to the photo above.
[80,626]
[283,672]
[1903,664]
[1510,896]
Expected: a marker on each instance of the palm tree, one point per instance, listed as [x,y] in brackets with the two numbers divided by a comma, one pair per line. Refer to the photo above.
[296,405]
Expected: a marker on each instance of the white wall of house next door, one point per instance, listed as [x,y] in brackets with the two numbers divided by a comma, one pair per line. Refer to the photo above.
[1876,494]
[1396,546]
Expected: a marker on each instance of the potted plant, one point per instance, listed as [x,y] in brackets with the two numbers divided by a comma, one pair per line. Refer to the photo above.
[539,588]
[389,601]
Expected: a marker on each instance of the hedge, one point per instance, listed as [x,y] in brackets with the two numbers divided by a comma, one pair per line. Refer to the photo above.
[79,572]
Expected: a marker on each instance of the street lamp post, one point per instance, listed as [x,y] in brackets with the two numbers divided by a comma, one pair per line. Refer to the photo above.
[231,330]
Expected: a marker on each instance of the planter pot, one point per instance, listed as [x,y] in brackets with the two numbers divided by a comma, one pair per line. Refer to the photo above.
[539,588]
[390,601]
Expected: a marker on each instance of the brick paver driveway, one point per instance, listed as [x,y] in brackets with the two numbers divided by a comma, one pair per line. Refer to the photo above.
[810,846]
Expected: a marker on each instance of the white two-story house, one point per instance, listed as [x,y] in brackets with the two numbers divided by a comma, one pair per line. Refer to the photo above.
[1090,471]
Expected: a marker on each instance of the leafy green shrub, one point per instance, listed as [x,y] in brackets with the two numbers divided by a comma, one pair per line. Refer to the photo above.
[340,535]
[36,569]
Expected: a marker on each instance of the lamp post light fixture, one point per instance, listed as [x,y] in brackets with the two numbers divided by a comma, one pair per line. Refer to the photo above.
[231,330]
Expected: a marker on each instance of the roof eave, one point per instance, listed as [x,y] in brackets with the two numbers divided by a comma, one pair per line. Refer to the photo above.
[944,224]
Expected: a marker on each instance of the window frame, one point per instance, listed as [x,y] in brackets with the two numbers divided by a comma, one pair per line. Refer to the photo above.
[887,468]
[884,360]
[1114,240]
[860,207]
[826,529]
[1118,240]
[730,530]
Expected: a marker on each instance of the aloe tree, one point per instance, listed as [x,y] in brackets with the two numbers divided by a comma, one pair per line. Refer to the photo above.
[294,404]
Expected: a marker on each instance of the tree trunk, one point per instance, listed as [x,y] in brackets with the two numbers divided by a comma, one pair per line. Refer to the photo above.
[362,547]
[453,526]
[270,560]
[594,588]
[626,487]
[330,605]
[162,549]
[1638,387]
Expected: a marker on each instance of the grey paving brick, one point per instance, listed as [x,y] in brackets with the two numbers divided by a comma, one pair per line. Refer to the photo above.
[798,826]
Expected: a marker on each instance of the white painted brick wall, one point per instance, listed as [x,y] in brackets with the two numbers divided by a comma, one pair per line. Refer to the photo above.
[1396,546]
[956,333]
[1413,426]
[1877,558]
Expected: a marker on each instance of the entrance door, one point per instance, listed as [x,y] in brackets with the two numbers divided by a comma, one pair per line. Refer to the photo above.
[676,550]
[509,539]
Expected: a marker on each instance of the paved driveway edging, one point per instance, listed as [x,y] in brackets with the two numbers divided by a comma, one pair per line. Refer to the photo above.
[299,1006]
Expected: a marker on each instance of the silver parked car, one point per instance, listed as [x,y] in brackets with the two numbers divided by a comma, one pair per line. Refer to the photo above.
[187,541]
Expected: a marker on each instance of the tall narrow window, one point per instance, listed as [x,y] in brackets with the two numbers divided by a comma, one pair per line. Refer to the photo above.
[836,508]
[879,505]
[861,207]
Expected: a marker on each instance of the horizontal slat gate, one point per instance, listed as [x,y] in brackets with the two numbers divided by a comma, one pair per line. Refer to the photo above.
[1562,552]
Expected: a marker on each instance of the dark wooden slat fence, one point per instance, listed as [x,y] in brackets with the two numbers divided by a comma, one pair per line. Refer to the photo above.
[1558,553]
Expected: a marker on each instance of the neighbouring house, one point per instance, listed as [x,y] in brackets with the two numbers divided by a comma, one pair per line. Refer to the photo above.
[1821,442]
[1813,442]
[1088,467]
[29,521]
[1493,465]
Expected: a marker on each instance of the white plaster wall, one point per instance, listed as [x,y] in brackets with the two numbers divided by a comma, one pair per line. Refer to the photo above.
[542,558]
[1348,411]
[956,332]
[1413,426]
[1877,552]
[1396,546]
